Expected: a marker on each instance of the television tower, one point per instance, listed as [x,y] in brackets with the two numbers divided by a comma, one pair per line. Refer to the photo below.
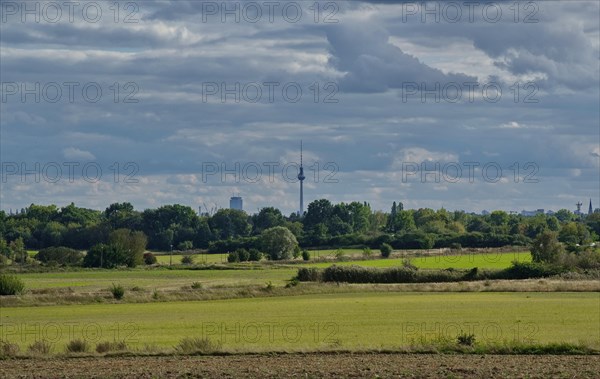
[301,178]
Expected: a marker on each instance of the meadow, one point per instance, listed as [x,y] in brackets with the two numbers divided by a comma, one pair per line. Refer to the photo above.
[244,273]
[308,322]
[150,278]
[459,261]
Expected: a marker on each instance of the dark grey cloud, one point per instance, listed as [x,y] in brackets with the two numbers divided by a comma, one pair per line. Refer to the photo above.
[171,132]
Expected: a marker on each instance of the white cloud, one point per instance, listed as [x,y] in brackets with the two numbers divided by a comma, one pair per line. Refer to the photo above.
[77,154]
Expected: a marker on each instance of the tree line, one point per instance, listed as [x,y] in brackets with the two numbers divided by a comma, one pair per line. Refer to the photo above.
[179,227]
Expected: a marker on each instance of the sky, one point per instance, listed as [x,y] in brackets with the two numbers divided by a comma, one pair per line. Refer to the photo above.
[463,105]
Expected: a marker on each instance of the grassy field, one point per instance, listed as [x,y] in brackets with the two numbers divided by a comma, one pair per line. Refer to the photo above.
[353,321]
[164,258]
[93,280]
[150,278]
[462,261]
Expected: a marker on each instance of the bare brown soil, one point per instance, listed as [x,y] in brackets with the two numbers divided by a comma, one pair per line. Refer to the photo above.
[313,365]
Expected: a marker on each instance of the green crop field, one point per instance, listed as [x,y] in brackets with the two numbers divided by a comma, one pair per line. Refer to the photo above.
[93,280]
[164,258]
[353,321]
[463,261]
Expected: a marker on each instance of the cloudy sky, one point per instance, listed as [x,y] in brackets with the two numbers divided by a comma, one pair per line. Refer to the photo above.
[480,106]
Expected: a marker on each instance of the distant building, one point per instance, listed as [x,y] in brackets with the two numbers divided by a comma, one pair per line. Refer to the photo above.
[590,211]
[578,211]
[235,202]
[525,213]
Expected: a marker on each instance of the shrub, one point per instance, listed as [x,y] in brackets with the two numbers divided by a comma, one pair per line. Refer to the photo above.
[196,286]
[386,250]
[269,286]
[187,260]
[149,258]
[339,254]
[106,346]
[546,248]
[77,346]
[292,283]
[21,257]
[11,285]
[8,349]
[254,255]
[60,255]
[466,339]
[309,274]
[106,256]
[367,252]
[243,254]
[526,270]
[233,257]
[185,245]
[278,242]
[296,252]
[197,345]
[117,291]
[40,347]
[305,255]
[406,263]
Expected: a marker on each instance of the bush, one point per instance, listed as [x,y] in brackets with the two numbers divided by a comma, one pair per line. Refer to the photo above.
[309,274]
[187,260]
[8,349]
[77,346]
[117,291]
[546,248]
[386,250]
[243,254]
[197,345]
[185,245]
[254,255]
[106,256]
[406,263]
[60,255]
[233,257]
[278,242]
[40,347]
[526,270]
[305,255]
[296,252]
[367,252]
[11,285]
[466,339]
[196,286]
[149,258]
[21,257]
[106,346]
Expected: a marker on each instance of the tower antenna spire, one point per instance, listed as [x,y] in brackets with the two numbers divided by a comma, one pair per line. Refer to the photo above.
[301,178]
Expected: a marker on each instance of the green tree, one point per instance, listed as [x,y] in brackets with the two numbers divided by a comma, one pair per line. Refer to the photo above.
[268,217]
[106,256]
[278,242]
[386,250]
[18,252]
[546,248]
[230,223]
[4,249]
[130,242]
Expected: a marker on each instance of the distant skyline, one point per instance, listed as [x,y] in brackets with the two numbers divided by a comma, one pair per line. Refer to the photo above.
[173,98]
